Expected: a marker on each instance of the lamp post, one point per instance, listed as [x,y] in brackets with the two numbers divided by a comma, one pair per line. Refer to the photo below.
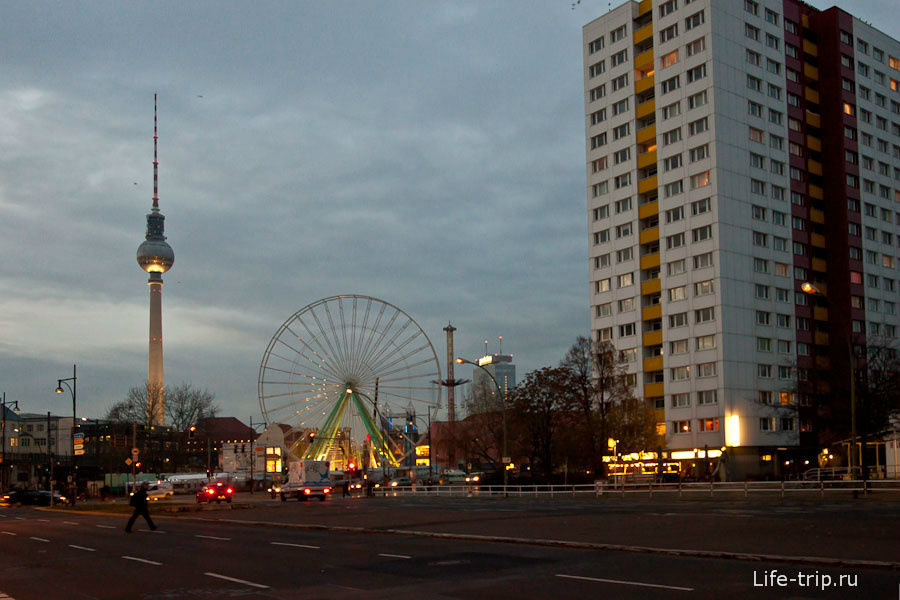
[4,482]
[809,288]
[503,458]
[73,389]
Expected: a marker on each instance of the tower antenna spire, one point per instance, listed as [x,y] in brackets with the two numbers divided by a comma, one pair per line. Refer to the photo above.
[155,161]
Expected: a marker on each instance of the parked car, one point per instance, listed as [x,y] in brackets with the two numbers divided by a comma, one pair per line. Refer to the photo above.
[215,492]
[400,481]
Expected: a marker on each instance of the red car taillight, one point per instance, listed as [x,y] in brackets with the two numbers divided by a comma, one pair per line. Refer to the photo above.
[211,491]
[307,491]
[327,490]
[229,490]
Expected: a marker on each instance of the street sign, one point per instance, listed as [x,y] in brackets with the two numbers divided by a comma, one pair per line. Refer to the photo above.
[79,445]
[128,461]
[79,436]
[135,452]
[79,452]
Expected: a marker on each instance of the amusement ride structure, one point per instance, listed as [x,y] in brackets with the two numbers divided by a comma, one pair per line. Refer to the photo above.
[340,373]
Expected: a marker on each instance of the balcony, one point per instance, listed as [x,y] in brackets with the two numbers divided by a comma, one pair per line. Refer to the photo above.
[811,72]
[816,192]
[650,261]
[654,389]
[812,95]
[651,286]
[648,107]
[646,134]
[651,312]
[821,338]
[646,159]
[814,143]
[642,85]
[813,119]
[643,59]
[649,235]
[817,216]
[643,33]
[818,240]
[648,184]
[648,210]
[653,364]
[810,48]
[820,313]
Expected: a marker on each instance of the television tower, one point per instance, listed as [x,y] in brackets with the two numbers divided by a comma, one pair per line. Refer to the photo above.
[155,257]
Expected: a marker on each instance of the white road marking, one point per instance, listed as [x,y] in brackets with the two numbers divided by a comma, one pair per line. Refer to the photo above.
[294,545]
[622,582]
[20,518]
[7,533]
[151,530]
[143,560]
[235,580]
[212,537]
[70,523]
[82,548]
[37,539]
[105,526]
[44,520]
[395,555]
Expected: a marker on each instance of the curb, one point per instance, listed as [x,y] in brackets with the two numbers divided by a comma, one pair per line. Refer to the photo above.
[726,555]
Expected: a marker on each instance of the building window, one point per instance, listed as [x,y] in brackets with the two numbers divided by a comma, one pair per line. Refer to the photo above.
[681,426]
[681,400]
[707,397]
[711,424]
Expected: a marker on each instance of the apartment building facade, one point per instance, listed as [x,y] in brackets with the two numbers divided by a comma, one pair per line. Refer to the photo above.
[735,151]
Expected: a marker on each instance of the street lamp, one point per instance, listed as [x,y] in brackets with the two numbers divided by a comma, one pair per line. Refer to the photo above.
[3,405]
[73,389]
[503,460]
[812,290]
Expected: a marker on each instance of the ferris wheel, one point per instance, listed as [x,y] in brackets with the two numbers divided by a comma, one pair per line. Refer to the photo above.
[352,377]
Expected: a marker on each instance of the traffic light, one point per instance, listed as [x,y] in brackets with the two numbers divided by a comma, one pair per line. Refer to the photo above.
[137,465]
[191,431]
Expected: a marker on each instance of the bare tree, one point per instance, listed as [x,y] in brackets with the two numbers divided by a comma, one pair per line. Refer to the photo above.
[538,402]
[184,404]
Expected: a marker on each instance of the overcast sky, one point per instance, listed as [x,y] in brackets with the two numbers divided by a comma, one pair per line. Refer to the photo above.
[428,154]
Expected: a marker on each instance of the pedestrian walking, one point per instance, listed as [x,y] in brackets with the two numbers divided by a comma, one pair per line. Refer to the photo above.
[346,489]
[139,502]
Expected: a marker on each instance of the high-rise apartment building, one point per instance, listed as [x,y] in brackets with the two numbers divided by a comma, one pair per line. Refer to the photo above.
[735,151]
[501,368]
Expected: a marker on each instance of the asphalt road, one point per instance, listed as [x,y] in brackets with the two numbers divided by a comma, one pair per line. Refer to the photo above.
[50,555]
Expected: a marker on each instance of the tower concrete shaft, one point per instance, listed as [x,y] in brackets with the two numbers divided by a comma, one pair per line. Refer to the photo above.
[451,361]
[156,413]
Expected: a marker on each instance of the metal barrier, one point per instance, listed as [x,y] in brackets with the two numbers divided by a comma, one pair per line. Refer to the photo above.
[682,489]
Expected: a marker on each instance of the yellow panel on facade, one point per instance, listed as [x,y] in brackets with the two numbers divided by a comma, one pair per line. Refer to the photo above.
[810,48]
[646,159]
[814,167]
[820,313]
[653,364]
[814,143]
[813,119]
[649,261]
[646,134]
[643,59]
[817,240]
[648,210]
[647,185]
[819,264]
[654,389]
[816,215]
[823,362]
[645,108]
[810,71]
[816,192]
[649,235]
[648,313]
[645,6]
[642,85]
[812,95]
[653,286]
[821,338]
[643,33]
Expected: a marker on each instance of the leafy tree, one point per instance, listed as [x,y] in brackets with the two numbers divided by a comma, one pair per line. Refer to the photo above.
[184,404]
[538,400]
